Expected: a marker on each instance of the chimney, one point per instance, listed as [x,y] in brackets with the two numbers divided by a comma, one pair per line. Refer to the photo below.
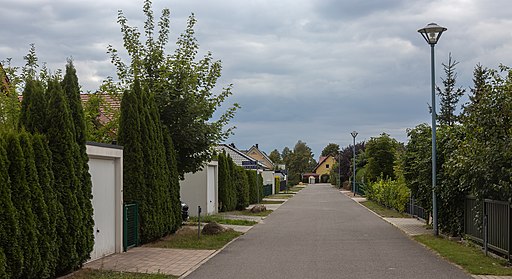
[257,146]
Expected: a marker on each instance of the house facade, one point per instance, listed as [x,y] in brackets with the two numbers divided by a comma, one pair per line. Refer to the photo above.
[256,153]
[323,168]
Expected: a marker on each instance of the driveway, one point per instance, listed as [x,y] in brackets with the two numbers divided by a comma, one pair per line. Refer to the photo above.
[321,233]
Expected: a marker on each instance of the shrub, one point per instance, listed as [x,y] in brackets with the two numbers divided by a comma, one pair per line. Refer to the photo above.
[389,193]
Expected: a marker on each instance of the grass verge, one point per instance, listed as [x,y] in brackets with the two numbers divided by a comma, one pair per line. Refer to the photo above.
[86,273]
[271,202]
[384,211]
[186,238]
[468,257]
[222,220]
[280,196]
[248,213]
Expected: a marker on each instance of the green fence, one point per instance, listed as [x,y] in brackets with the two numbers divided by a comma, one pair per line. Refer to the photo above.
[130,226]
[360,188]
[267,190]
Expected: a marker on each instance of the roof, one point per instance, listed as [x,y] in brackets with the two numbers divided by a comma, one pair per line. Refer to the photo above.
[263,154]
[105,115]
[238,156]
[321,161]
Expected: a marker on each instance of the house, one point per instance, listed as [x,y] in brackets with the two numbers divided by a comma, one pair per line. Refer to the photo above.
[201,189]
[256,153]
[323,168]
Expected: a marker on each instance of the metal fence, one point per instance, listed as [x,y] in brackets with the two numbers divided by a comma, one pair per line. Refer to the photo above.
[360,188]
[415,210]
[489,224]
[130,226]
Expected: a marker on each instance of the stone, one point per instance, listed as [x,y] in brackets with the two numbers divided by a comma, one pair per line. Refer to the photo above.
[258,208]
[213,228]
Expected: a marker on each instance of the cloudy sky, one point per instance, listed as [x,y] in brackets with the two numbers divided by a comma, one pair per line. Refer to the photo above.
[302,70]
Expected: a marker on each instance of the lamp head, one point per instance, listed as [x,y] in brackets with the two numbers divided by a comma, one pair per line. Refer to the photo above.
[432,32]
[354,134]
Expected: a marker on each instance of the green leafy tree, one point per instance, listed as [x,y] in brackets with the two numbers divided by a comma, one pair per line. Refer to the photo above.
[10,240]
[32,262]
[301,161]
[380,153]
[450,95]
[183,86]
[275,157]
[330,150]
[62,144]
[71,89]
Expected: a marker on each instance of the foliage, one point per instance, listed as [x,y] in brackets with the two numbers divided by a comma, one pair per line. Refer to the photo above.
[390,193]
[331,149]
[383,211]
[149,170]
[277,184]
[275,157]
[334,175]
[86,273]
[242,187]
[380,153]
[300,161]
[9,104]
[10,241]
[254,193]
[187,239]
[33,107]
[449,96]
[345,160]
[20,192]
[61,142]
[182,85]
[96,108]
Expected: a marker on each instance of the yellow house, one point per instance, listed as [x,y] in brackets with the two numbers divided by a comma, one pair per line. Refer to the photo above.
[255,153]
[323,168]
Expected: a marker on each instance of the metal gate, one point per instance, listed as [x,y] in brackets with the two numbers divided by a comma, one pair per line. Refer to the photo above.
[130,226]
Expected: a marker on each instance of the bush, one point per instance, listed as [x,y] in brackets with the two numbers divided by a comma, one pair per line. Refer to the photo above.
[390,193]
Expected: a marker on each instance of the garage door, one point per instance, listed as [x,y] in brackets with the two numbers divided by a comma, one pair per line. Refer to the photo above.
[103,201]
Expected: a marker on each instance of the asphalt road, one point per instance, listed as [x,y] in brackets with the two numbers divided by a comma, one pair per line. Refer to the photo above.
[321,233]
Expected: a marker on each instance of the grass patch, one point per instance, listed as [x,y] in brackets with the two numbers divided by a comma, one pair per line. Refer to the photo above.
[221,220]
[271,202]
[279,196]
[86,273]
[186,238]
[468,257]
[384,211]
[248,213]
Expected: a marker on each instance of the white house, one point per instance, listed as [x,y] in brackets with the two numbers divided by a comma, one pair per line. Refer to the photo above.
[201,189]
[106,169]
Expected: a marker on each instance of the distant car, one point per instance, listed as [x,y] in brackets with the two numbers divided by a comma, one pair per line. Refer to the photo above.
[184,211]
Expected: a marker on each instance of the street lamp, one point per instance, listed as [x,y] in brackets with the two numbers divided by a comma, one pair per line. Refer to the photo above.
[354,135]
[339,168]
[431,33]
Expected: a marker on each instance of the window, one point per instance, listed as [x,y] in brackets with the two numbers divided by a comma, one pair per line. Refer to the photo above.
[327,166]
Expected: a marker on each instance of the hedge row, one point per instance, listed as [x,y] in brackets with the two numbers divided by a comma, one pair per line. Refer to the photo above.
[237,186]
[390,193]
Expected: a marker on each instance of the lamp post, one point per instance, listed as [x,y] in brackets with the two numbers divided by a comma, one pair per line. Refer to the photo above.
[339,168]
[431,33]
[354,135]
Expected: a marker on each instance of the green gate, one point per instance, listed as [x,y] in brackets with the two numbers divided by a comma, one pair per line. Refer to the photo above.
[130,226]
[267,190]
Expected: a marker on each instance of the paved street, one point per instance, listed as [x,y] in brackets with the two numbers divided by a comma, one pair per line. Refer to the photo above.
[321,233]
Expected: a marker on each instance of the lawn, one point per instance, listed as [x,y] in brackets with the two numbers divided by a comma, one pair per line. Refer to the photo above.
[186,238]
[280,196]
[271,202]
[86,273]
[222,220]
[471,258]
[248,213]
[384,211]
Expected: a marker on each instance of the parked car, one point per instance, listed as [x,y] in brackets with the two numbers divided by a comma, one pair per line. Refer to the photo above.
[184,211]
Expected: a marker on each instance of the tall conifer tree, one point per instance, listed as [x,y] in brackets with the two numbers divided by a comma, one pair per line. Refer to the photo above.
[55,212]
[21,194]
[63,148]
[39,207]
[10,240]
[84,188]
[33,107]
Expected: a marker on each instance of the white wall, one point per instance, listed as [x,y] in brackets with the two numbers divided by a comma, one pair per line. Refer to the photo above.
[106,169]
[268,178]
[194,190]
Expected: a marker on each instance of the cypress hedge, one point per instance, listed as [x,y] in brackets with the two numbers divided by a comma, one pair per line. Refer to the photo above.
[63,148]
[38,206]
[85,241]
[253,189]
[9,227]
[3,264]
[33,107]
[242,187]
[174,183]
[28,240]
[46,181]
